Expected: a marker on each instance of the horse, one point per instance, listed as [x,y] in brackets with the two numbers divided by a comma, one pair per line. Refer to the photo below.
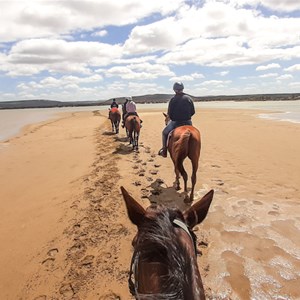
[115,118]
[184,141]
[164,261]
[133,127]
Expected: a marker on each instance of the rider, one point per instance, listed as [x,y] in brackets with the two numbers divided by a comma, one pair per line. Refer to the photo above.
[180,110]
[114,104]
[130,107]
[124,111]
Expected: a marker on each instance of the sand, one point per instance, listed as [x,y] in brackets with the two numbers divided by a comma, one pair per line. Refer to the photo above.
[65,234]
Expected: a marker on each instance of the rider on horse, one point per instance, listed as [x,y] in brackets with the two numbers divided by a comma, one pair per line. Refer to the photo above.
[180,110]
[113,105]
[129,109]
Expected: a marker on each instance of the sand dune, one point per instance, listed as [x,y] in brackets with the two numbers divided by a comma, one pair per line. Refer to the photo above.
[65,233]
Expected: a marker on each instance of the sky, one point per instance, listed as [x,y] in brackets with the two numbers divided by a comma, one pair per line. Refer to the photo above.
[71,50]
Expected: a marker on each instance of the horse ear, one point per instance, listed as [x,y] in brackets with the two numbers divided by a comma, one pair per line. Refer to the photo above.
[197,213]
[135,211]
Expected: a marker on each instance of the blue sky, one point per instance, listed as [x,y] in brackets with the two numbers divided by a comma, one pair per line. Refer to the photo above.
[96,50]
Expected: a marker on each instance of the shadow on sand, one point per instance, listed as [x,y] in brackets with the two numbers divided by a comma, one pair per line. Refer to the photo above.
[161,194]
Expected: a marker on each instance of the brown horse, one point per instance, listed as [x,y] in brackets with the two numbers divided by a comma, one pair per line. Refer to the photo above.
[115,118]
[184,141]
[133,127]
[164,262]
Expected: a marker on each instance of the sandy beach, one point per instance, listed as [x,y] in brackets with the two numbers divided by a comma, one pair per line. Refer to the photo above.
[65,233]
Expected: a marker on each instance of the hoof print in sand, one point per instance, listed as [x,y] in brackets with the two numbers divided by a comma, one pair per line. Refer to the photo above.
[41,297]
[52,252]
[110,296]
[87,261]
[78,249]
[137,183]
[153,172]
[48,263]
[67,290]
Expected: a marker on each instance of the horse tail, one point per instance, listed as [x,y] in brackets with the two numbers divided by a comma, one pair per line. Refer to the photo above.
[133,123]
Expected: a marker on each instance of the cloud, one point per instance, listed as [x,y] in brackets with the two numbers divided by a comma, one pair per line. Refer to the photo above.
[267,67]
[145,45]
[275,5]
[268,75]
[294,68]
[37,18]
[100,33]
[285,77]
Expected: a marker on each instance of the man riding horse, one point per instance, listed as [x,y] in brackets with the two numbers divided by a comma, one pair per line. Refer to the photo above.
[180,110]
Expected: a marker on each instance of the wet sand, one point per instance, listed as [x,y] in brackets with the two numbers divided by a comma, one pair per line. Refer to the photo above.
[65,234]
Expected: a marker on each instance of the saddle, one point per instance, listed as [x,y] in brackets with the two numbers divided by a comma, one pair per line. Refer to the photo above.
[114,109]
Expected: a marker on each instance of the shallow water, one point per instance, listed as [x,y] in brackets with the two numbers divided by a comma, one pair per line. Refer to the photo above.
[13,120]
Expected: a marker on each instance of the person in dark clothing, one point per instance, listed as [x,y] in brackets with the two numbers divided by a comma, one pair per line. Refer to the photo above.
[180,110]
[114,104]
[124,111]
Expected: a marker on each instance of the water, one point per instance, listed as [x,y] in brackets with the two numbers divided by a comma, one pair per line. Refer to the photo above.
[13,120]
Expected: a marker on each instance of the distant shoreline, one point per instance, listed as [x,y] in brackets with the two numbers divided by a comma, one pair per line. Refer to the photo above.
[145,99]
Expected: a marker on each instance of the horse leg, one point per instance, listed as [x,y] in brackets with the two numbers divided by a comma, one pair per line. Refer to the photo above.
[137,141]
[117,127]
[184,174]
[133,140]
[177,176]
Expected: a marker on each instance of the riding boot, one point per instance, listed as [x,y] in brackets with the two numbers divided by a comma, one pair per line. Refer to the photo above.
[163,152]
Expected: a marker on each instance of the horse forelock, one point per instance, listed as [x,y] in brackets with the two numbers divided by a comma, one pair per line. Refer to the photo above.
[158,242]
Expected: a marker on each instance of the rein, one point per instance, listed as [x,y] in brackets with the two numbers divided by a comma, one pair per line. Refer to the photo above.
[132,283]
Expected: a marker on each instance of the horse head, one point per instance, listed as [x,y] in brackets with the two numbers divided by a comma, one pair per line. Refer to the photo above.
[167,118]
[164,262]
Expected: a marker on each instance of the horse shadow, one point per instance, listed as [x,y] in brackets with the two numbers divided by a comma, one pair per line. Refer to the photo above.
[167,195]
[121,139]
[108,133]
[123,149]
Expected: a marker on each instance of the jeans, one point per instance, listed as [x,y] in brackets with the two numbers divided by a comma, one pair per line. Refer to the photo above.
[170,126]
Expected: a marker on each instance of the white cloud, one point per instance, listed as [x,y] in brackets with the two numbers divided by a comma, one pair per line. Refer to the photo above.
[275,5]
[294,68]
[268,75]
[100,33]
[285,77]
[267,67]
[223,73]
[38,18]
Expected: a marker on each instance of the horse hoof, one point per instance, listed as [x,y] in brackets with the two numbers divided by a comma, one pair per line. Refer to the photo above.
[187,200]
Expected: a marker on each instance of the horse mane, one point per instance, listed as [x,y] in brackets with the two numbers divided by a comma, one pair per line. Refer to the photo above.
[158,242]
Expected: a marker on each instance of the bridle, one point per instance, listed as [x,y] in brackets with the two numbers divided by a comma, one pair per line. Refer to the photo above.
[132,283]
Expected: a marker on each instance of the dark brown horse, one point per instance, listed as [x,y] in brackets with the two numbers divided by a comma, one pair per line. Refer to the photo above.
[115,118]
[164,263]
[184,141]
[133,127]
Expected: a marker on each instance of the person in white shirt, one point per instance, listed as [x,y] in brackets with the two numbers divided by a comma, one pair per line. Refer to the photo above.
[130,110]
